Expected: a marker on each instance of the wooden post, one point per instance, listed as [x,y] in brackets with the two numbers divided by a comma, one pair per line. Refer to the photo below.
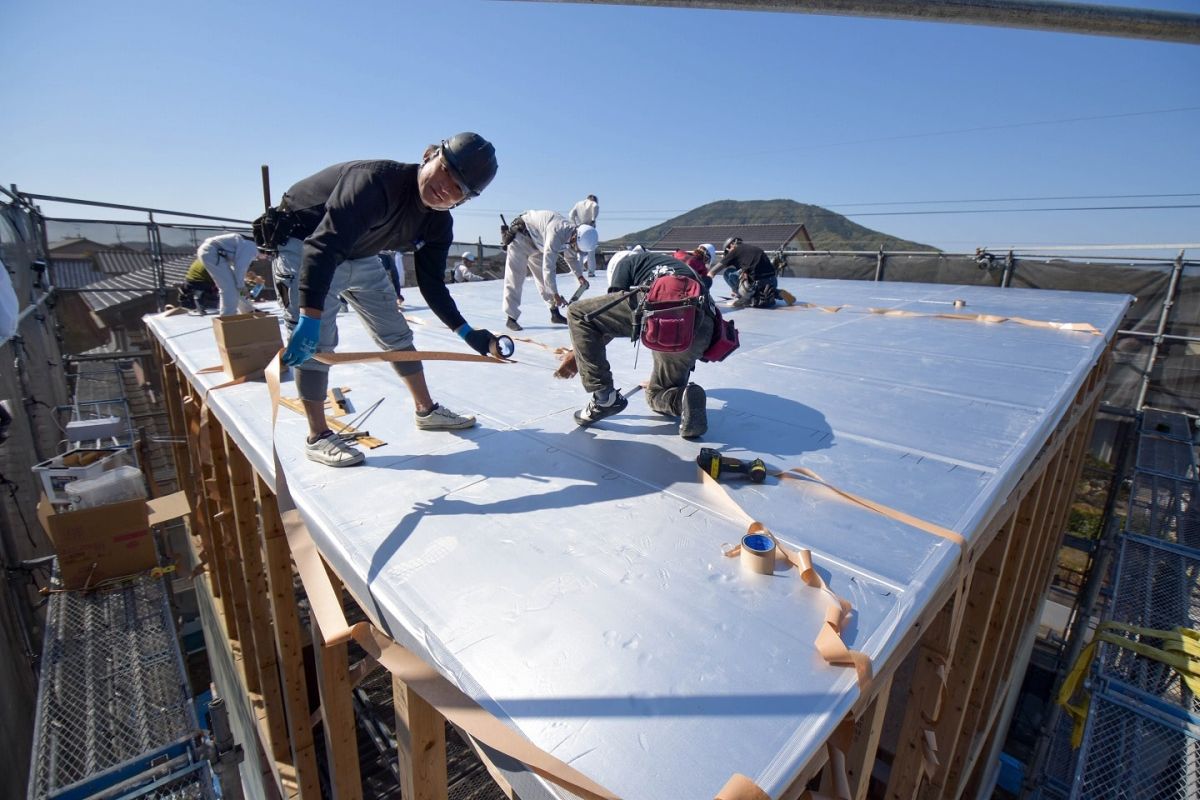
[238,623]
[290,644]
[420,745]
[867,730]
[337,710]
[261,660]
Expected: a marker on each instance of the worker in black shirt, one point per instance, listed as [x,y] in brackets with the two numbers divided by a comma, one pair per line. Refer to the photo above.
[668,391]
[749,273]
[327,233]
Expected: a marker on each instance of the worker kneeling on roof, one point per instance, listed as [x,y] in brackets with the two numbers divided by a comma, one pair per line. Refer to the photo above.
[327,233]
[661,301]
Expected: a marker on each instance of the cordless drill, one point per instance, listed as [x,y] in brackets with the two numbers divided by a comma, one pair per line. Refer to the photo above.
[714,464]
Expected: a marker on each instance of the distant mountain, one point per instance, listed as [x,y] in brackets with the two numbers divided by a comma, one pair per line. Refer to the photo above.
[829,231]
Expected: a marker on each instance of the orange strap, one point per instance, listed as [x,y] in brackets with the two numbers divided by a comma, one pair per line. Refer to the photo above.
[829,641]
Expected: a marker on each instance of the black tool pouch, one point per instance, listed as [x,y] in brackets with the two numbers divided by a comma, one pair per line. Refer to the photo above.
[273,228]
[511,231]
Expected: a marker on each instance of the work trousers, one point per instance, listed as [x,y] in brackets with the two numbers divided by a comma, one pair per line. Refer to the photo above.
[365,286]
[523,258]
[671,371]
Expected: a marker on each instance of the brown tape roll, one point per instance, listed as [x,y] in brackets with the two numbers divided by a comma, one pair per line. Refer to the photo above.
[758,553]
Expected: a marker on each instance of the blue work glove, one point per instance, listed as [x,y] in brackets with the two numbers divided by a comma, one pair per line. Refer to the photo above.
[303,343]
[479,340]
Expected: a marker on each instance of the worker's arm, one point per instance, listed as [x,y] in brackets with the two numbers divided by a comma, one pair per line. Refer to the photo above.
[430,261]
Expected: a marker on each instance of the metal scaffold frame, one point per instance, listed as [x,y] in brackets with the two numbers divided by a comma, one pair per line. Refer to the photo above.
[114,699]
[1141,736]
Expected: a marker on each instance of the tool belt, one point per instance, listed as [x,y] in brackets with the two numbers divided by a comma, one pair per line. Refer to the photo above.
[667,316]
[510,232]
[273,228]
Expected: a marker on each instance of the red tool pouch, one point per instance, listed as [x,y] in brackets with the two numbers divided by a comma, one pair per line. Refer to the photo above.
[724,339]
[669,313]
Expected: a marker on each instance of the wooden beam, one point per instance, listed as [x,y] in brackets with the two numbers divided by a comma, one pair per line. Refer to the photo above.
[289,643]
[420,745]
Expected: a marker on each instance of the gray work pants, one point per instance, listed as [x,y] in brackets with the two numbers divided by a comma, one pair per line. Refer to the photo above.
[671,371]
[367,288]
[523,258]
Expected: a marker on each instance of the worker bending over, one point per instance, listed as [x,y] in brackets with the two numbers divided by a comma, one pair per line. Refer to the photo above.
[533,243]
[327,232]
[221,263]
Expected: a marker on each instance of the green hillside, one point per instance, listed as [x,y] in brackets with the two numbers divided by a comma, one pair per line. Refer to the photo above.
[829,231]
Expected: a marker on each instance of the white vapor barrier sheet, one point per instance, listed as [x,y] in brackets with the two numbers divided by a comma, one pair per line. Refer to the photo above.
[572,580]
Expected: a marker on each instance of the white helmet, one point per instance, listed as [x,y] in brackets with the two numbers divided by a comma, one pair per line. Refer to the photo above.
[613,261]
[468,255]
[586,238]
[710,253]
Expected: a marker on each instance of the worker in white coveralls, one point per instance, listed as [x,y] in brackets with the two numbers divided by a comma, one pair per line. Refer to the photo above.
[533,243]
[222,261]
[463,273]
[584,213]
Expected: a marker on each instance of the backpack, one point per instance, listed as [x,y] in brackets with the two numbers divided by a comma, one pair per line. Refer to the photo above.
[668,314]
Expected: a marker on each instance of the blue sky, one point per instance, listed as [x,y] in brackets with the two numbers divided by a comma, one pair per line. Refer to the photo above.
[655,110]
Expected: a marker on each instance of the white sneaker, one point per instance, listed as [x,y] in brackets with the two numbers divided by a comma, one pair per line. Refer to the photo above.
[443,419]
[333,451]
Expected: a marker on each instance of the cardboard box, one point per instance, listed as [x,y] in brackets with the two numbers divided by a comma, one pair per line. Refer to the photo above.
[109,541]
[73,465]
[247,342]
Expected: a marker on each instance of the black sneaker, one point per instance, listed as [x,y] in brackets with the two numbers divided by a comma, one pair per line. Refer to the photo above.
[693,421]
[557,318]
[594,412]
[513,325]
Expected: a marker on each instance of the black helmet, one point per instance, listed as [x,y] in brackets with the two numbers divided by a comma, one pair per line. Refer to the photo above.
[472,161]
[732,240]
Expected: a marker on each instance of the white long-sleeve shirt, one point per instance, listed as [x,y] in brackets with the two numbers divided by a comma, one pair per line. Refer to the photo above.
[227,258]
[585,212]
[463,274]
[551,235]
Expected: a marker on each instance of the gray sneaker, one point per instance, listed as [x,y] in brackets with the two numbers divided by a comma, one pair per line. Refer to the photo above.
[443,419]
[333,451]
[693,421]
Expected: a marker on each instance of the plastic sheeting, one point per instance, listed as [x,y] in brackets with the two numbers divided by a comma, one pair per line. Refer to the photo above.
[572,580]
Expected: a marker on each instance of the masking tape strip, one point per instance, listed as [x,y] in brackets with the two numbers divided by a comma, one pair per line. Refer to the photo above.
[428,684]
[795,473]
[1078,327]
[829,641]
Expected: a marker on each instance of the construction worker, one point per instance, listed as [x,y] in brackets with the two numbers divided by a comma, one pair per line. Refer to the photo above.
[699,260]
[328,231]
[593,326]
[749,273]
[535,241]
[584,213]
[221,264]
[463,273]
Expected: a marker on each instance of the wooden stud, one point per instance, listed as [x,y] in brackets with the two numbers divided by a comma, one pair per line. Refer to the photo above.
[420,745]
[264,664]
[867,730]
[289,643]
[238,622]
[337,710]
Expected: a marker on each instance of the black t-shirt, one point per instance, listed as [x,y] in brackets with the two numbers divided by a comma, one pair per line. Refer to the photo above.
[640,268]
[749,259]
[358,208]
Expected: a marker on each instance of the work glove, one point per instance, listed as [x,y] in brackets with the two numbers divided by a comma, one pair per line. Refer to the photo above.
[478,340]
[303,344]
